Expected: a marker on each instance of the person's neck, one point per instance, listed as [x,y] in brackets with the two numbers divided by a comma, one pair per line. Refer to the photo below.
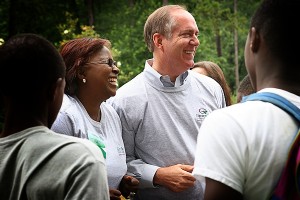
[17,123]
[164,70]
[92,106]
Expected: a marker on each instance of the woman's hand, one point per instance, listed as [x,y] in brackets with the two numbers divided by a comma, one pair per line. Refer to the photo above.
[128,184]
[114,194]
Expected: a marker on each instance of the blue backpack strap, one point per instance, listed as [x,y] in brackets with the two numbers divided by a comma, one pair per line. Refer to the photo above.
[276,100]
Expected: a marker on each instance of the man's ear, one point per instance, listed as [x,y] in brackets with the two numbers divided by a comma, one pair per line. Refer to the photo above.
[157,40]
[254,40]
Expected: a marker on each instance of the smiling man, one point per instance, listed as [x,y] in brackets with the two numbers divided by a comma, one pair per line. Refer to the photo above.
[160,108]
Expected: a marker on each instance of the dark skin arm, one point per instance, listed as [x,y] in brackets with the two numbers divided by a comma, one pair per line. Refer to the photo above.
[215,190]
[128,184]
[114,194]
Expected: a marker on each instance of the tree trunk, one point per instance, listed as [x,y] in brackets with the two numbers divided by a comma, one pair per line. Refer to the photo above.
[89,4]
[236,48]
[131,3]
[218,43]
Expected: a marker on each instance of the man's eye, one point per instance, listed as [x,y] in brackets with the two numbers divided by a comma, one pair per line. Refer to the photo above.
[186,35]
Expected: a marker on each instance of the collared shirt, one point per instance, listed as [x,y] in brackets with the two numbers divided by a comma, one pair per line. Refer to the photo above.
[165,80]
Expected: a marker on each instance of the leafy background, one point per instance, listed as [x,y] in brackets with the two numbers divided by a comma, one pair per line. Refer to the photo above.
[223,26]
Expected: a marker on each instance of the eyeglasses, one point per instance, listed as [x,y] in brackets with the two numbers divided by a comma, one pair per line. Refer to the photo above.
[110,62]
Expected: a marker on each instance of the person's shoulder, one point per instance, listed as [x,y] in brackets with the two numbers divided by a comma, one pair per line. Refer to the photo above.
[203,79]
[232,115]
[67,102]
[109,109]
[46,140]
[69,108]
[206,83]
[132,91]
[75,145]
[132,85]
[106,105]
[50,138]
[245,110]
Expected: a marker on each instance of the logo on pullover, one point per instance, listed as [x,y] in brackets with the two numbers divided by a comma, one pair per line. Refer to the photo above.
[202,114]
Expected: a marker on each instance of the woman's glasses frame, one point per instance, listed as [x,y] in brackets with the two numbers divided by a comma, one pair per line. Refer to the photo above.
[110,62]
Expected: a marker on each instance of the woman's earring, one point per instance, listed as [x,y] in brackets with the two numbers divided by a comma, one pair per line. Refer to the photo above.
[83,80]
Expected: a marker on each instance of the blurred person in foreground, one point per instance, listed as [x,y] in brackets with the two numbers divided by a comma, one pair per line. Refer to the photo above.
[242,149]
[35,162]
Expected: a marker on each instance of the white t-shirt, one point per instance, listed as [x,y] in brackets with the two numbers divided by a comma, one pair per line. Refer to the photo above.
[74,120]
[245,146]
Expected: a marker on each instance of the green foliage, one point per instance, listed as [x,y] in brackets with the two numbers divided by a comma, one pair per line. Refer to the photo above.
[124,28]
[68,30]
[122,23]
[233,98]
[125,31]
[216,19]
